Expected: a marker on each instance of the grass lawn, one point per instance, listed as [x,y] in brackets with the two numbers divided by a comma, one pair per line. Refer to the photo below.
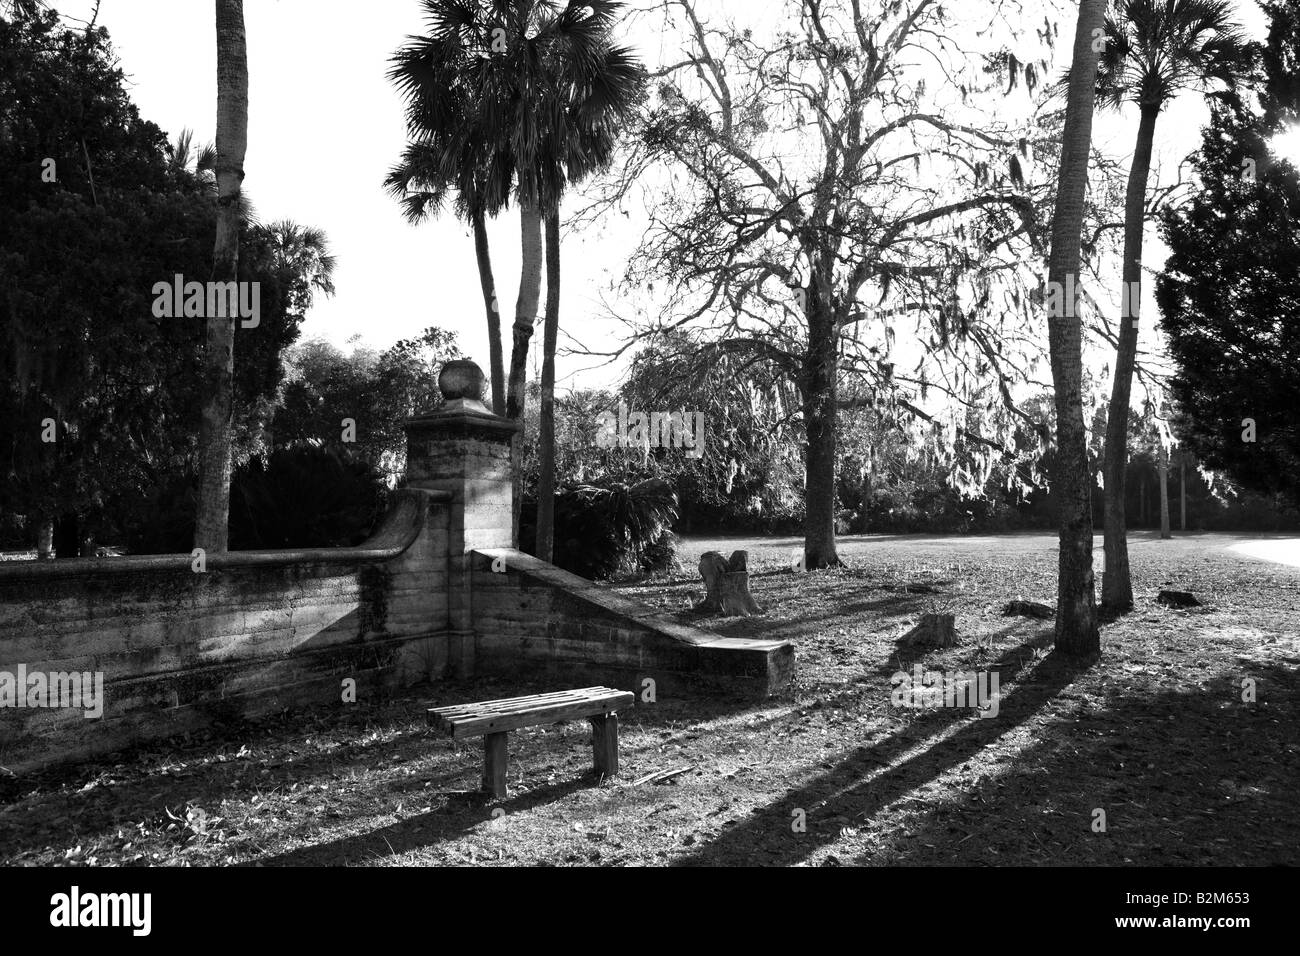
[1155,734]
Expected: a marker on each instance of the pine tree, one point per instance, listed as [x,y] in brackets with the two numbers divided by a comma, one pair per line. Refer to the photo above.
[1230,292]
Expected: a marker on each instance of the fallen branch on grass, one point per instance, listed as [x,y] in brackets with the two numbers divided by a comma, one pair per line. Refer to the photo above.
[660,776]
[1028,609]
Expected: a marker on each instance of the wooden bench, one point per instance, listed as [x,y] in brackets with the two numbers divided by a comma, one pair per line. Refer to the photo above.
[493,719]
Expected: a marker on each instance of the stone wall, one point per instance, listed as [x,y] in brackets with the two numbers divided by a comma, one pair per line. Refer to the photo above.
[255,632]
[260,631]
[532,617]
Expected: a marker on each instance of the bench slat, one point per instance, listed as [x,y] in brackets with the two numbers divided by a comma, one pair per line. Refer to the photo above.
[505,705]
[472,720]
[511,703]
[511,700]
[596,704]
[472,712]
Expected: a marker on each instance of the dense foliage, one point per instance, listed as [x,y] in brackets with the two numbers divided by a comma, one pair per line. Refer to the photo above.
[1230,293]
[610,528]
[376,392]
[99,398]
[304,496]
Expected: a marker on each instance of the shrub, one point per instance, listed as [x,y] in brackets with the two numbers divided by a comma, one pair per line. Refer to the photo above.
[13,532]
[302,496]
[163,521]
[608,528]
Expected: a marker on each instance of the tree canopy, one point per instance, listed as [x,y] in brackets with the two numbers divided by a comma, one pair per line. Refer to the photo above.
[1230,292]
[98,397]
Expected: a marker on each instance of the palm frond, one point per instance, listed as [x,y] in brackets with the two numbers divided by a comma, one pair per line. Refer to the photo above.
[1156,49]
[511,95]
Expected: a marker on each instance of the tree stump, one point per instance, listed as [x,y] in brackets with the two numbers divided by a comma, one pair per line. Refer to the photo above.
[727,585]
[1178,599]
[935,630]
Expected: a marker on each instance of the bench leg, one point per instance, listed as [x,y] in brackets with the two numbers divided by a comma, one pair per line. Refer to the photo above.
[604,744]
[494,764]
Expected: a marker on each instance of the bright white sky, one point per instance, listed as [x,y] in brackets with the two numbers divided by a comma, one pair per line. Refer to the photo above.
[325,125]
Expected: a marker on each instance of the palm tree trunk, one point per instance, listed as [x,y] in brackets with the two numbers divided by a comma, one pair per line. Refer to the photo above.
[1164,493]
[1182,481]
[219,351]
[530,293]
[489,286]
[1076,612]
[67,536]
[44,537]
[546,427]
[1116,583]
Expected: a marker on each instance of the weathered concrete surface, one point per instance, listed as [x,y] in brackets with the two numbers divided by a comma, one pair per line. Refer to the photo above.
[463,451]
[531,616]
[258,631]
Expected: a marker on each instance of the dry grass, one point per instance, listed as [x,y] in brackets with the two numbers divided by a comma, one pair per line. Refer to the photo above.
[1155,734]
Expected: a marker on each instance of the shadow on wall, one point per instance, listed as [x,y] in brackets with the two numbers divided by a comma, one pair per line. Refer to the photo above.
[252,632]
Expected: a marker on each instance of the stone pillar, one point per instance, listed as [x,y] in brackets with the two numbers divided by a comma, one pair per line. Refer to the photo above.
[464,449]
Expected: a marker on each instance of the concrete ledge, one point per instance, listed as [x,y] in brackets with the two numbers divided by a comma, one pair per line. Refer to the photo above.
[401,526]
[534,615]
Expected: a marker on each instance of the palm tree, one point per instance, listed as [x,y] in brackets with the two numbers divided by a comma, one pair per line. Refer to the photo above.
[1162,464]
[594,92]
[463,92]
[219,353]
[199,163]
[517,88]
[17,9]
[429,170]
[304,251]
[1154,50]
[183,156]
[544,547]
[1076,613]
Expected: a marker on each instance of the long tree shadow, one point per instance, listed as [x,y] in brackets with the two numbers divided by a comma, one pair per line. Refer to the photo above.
[1191,776]
[856,787]
[421,831]
[463,811]
[149,781]
[913,645]
[895,605]
[98,797]
[458,816]
[831,695]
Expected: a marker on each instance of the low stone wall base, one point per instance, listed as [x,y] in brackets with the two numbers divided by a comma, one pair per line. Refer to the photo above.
[531,617]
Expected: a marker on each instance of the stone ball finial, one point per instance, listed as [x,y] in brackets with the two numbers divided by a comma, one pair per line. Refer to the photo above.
[462,378]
